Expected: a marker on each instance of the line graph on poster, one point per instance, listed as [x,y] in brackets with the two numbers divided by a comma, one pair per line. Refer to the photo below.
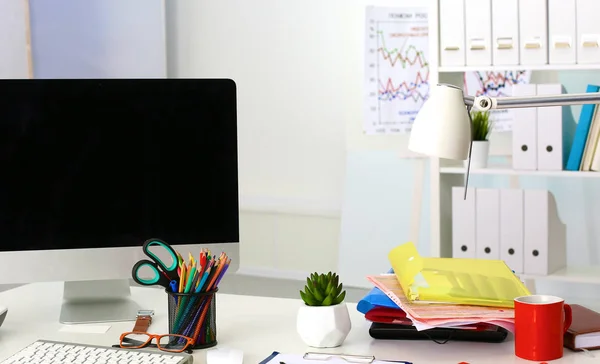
[396,68]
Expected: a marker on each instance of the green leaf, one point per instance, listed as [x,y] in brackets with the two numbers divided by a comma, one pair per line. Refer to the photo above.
[339,299]
[327,301]
[307,299]
[338,290]
[329,288]
[318,294]
[307,289]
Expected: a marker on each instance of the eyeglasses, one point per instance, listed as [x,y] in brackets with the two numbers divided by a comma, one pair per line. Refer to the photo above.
[169,342]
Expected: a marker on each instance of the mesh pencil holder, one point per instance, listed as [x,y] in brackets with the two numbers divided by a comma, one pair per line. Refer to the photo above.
[194,315]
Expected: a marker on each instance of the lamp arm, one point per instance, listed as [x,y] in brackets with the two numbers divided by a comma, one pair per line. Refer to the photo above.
[484,103]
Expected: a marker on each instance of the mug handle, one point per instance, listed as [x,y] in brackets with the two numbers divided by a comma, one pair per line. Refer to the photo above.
[568,316]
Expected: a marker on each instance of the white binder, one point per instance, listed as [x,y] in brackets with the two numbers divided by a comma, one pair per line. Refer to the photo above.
[562,32]
[487,224]
[524,148]
[588,31]
[463,223]
[533,32]
[511,228]
[544,237]
[478,32]
[505,32]
[452,32]
[549,131]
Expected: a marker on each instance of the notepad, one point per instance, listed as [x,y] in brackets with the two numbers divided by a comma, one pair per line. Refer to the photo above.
[316,358]
[584,332]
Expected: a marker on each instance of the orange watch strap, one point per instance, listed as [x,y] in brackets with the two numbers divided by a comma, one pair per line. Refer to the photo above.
[143,321]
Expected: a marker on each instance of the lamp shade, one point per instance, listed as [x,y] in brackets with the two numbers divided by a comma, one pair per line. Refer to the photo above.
[442,127]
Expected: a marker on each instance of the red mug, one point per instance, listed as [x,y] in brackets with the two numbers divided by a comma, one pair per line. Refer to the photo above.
[540,323]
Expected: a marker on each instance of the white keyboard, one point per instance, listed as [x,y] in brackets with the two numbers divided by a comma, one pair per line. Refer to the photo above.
[52,352]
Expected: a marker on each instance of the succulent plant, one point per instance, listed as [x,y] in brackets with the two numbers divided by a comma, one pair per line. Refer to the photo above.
[323,290]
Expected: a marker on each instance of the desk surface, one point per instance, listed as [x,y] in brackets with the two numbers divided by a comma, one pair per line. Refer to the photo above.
[256,325]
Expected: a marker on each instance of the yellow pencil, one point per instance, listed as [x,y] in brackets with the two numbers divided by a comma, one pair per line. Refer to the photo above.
[183,276]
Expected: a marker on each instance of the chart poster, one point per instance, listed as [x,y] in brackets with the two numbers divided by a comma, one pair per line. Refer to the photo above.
[396,68]
[496,84]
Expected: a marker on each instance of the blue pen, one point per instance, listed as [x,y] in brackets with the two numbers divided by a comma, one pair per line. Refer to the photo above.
[174,285]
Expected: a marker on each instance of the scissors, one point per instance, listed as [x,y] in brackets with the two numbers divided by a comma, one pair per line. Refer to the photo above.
[162,274]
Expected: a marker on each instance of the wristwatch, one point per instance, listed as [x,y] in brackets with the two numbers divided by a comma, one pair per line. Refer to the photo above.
[143,320]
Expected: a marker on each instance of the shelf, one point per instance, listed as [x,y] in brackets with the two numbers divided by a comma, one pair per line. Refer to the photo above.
[545,67]
[570,274]
[513,172]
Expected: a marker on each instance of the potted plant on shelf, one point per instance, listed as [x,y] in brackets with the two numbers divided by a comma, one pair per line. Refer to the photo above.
[323,320]
[481,129]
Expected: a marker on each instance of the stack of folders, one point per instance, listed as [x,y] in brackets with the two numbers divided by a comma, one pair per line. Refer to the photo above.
[518,226]
[442,298]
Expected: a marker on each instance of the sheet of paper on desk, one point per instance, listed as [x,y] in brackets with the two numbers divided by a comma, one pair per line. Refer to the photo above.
[85,329]
[297,359]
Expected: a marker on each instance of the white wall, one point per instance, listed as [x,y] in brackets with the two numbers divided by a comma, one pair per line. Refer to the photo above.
[299,71]
[13,39]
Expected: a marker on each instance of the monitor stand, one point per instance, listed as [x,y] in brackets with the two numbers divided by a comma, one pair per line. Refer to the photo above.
[97,301]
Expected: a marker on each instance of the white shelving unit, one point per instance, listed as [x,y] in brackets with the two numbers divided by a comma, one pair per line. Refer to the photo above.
[505,171]
[545,67]
[446,174]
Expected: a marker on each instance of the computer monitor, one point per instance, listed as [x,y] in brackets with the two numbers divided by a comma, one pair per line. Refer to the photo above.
[90,169]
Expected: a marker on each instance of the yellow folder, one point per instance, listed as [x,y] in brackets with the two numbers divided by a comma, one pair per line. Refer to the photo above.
[465,281]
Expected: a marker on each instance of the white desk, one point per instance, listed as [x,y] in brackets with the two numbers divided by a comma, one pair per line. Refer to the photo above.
[256,325]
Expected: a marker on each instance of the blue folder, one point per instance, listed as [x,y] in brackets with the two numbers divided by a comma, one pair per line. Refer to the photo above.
[375,298]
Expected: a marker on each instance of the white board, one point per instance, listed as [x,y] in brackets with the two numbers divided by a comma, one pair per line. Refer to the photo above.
[13,39]
[98,38]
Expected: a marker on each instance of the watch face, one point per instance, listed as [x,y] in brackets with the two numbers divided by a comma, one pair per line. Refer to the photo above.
[145,313]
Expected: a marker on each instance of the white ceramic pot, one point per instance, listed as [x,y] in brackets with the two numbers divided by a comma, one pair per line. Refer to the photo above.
[323,326]
[479,154]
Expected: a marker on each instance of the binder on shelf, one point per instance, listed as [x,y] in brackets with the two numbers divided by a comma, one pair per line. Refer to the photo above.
[550,155]
[511,228]
[545,235]
[581,133]
[591,145]
[592,153]
[533,32]
[524,148]
[588,31]
[487,223]
[562,32]
[478,33]
[452,32]
[505,32]
[463,223]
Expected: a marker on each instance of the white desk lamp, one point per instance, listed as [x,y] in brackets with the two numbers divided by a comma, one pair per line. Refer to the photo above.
[442,127]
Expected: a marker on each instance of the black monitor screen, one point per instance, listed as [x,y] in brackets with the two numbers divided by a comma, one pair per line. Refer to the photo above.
[111,163]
